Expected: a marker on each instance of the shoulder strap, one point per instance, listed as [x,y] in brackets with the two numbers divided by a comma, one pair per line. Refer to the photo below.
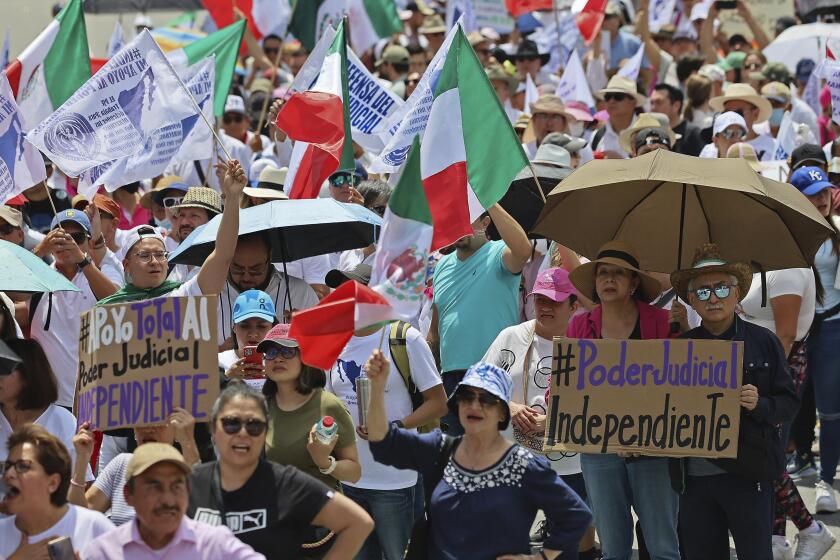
[399,352]
[597,138]
[447,448]
[199,171]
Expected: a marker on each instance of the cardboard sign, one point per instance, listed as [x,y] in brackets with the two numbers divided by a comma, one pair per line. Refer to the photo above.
[139,360]
[677,398]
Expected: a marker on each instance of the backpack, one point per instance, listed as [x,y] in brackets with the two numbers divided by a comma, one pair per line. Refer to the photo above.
[399,352]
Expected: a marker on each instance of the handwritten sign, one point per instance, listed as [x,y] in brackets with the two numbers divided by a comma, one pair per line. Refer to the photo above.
[677,398]
[139,360]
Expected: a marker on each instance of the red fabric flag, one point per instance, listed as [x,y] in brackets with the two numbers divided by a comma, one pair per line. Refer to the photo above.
[590,19]
[323,331]
[222,13]
[518,7]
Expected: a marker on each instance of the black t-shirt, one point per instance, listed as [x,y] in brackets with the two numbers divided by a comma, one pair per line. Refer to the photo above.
[691,143]
[272,512]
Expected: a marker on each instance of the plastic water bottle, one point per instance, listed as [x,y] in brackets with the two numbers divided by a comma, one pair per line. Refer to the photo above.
[326,429]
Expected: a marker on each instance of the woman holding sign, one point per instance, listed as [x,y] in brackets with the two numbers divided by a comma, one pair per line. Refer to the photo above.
[615,483]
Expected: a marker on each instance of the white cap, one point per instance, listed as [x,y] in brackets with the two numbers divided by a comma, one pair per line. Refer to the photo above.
[727,119]
[700,10]
[235,104]
[135,236]
[713,72]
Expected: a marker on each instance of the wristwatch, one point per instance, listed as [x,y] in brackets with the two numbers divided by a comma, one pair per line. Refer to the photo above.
[398,423]
[85,261]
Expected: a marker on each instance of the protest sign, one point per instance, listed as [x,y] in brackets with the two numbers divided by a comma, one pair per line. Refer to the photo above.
[831,72]
[111,115]
[21,166]
[139,360]
[678,398]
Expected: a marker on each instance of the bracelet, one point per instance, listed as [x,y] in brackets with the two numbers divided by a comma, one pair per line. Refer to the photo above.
[77,484]
[331,468]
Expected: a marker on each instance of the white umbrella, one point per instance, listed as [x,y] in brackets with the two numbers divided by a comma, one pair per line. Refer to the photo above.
[802,41]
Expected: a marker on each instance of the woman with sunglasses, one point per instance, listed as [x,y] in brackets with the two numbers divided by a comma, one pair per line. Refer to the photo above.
[296,402]
[470,480]
[271,506]
[728,129]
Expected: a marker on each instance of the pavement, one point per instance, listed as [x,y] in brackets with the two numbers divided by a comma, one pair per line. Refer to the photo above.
[832,521]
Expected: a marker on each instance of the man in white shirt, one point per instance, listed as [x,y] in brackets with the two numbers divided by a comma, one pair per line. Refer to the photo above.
[622,99]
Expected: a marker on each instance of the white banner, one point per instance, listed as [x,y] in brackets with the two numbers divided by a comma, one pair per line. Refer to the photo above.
[117,41]
[831,73]
[661,12]
[21,166]
[111,116]
[573,85]
[187,140]
[786,140]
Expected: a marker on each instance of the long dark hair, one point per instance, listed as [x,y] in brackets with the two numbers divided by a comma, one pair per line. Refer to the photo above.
[308,380]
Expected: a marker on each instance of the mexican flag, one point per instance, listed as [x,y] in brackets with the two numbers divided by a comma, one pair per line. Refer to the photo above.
[323,331]
[399,269]
[370,20]
[52,67]
[469,153]
[264,16]
[319,121]
[224,43]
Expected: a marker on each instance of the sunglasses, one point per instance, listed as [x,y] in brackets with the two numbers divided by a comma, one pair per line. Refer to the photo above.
[736,134]
[721,291]
[484,398]
[349,180]
[285,351]
[22,466]
[79,237]
[233,425]
[170,201]
[232,118]
[7,229]
[616,97]
[271,51]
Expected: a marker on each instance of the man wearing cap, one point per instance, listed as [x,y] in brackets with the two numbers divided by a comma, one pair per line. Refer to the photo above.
[728,128]
[55,318]
[11,225]
[782,101]
[530,61]
[393,66]
[623,45]
[723,496]
[268,187]
[434,31]
[236,123]
[197,207]
[548,114]
[157,487]
[621,98]
[166,194]
[648,133]
[743,100]
[668,100]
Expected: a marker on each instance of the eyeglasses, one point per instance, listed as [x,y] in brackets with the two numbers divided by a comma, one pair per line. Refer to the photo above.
[170,201]
[287,352]
[233,425]
[271,50]
[259,270]
[721,291]
[228,118]
[147,256]
[7,229]
[616,97]
[735,134]
[753,66]
[345,179]
[79,237]
[379,210]
[21,466]
[484,398]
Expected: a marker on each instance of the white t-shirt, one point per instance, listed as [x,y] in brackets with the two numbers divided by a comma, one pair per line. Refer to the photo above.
[341,380]
[791,281]
[61,341]
[82,525]
[508,352]
[312,270]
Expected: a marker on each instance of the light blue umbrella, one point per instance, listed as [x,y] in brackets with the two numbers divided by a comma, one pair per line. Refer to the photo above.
[22,271]
[295,229]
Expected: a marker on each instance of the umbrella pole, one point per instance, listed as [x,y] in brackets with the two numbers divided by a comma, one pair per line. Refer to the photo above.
[537,181]
[682,225]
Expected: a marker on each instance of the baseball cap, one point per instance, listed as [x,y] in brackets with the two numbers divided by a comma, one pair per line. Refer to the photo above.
[727,119]
[254,304]
[106,204]
[71,216]
[776,72]
[804,68]
[810,180]
[776,91]
[79,202]
[11,216]
[648,136]
[136,235]
[235,104]
[360,273]
[807,154]
[554,284]
[279,334]
[148,455]
[394,54]
[713,72]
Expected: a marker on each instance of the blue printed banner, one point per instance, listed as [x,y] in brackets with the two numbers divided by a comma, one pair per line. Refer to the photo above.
[112,115]
[21,166]
[139,360]
[677,398]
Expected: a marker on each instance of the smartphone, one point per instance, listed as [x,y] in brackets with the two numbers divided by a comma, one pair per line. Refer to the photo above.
[61,548]
[725,5]
[252,356]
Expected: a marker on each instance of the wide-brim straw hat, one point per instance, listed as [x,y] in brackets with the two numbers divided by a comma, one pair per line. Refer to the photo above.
[621,254]
[201,197]
[166,182]
[746,93]
[707,259]
[270,184]
[547,104]
[620,84]
[645,120]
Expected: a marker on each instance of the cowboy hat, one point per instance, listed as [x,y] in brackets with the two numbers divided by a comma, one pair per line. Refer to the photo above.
[746,93]
[432,24]
[529,49]
[620,84]
[645,120]
[270,184]
[547,104]
[707,259]
[498,72]
[616,253]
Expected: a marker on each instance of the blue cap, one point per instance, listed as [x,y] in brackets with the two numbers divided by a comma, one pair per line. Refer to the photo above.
[810,180]
[254,303]
[492,379]
[72,216]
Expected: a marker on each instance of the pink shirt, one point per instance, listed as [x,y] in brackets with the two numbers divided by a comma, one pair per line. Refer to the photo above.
[193,540]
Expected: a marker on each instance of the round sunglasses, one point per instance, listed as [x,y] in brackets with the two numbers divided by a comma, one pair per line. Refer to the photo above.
[285,351]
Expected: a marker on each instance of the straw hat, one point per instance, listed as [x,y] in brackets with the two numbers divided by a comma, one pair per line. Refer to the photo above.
[498,72]
[522,122]
[270,184]
[745,151]
[547,104]
[743,92]
[620,84]
[433,24]
[708,259]
[166,182]
[202,197]
[645,120]
[620,254]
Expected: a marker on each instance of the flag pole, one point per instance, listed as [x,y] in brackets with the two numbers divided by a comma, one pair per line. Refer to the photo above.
[268,97]
[537,181]
[52,204]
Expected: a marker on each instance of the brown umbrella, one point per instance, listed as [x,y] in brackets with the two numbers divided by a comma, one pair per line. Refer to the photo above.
[666,205]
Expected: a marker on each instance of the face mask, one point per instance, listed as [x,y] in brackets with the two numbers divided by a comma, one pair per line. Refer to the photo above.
[576,129]
[776,117]
[164,224]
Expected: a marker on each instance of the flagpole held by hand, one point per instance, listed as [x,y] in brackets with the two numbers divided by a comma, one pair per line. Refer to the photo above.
[537,181]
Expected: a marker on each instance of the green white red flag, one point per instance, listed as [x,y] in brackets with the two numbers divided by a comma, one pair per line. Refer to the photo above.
[370,20]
